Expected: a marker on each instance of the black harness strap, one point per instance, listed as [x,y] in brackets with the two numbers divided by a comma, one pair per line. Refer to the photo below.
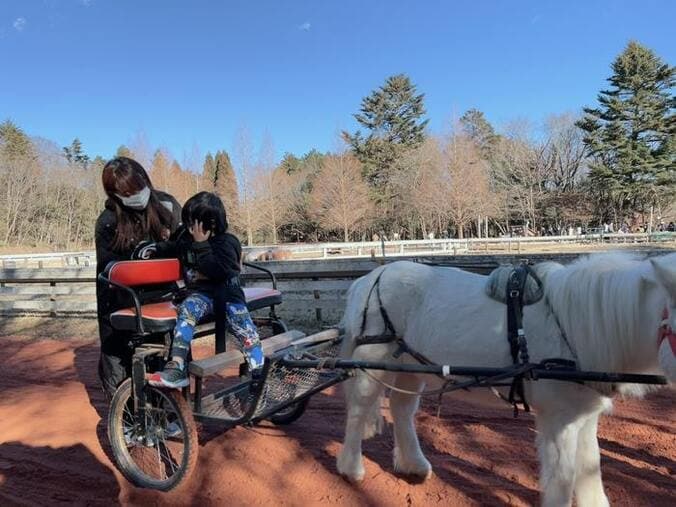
[390,334]
[386,318]
[517,338]
[375,339]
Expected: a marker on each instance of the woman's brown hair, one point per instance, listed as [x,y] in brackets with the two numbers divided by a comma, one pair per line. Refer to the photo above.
[125,176]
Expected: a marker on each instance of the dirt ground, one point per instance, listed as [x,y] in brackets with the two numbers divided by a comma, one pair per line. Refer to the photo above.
[53,448]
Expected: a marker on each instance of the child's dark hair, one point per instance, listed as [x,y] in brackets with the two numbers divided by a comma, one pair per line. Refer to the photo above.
[207,208]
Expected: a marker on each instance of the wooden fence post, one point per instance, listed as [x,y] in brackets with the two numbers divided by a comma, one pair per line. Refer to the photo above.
[52,298]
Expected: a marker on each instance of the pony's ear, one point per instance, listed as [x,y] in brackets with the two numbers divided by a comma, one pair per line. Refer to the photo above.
[665,274]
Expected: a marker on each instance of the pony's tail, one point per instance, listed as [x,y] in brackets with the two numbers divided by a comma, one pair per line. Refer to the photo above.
[355,309]
[352,322]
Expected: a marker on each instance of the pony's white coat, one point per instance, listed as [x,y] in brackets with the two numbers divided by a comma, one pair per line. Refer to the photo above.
[609,306]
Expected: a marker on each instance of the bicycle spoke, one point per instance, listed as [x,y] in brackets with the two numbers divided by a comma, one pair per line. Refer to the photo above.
[160,462]
[167,456]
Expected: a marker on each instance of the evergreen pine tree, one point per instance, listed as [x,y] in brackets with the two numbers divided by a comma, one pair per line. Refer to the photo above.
[74,153]
[630,136]
[225,182]
[477,127]
[392,115]
[123,151]
[14,143]
[290,163]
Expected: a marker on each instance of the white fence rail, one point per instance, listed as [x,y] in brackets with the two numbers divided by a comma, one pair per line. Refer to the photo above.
[45,260]
[425,247]
[456,246]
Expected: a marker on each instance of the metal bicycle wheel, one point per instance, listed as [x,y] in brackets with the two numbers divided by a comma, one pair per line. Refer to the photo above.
[165,452]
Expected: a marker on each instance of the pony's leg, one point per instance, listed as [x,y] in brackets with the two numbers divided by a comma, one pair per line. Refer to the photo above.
[408,456]
[557,447]
[362,394]
[588,484]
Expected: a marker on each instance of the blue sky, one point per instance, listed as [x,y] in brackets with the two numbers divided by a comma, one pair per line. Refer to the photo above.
[188,74]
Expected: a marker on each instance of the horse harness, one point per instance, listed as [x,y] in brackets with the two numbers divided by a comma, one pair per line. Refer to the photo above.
[518,344]
[390,334]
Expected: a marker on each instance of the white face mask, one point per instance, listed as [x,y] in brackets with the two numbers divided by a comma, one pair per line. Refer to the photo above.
[137,201]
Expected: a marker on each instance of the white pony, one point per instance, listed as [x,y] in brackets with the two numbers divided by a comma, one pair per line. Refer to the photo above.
[610,306]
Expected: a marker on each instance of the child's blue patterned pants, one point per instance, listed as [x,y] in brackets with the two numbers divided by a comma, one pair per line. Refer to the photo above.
[197,307]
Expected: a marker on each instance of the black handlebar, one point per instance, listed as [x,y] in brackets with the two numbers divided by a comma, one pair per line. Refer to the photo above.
[137,303]
[270,273]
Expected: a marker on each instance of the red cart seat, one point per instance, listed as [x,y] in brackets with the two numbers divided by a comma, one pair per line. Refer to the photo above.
[161,317]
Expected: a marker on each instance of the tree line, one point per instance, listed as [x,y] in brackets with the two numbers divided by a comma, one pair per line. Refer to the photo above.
[613,164]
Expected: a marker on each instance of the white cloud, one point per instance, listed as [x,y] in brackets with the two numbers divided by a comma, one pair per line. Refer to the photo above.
[305,27]
[19,24]
[86,3]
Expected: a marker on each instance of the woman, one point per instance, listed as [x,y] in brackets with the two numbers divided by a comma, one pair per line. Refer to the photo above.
[134,212]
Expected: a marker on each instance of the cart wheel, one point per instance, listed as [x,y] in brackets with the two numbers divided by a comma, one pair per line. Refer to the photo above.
[166,452]
[289,414]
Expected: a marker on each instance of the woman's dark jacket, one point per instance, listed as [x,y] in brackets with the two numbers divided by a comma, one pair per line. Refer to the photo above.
[108,300]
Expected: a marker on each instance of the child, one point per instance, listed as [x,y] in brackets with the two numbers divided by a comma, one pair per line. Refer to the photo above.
[211,259]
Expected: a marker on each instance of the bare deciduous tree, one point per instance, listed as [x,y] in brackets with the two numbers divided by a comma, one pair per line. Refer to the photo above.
[565,151]
[273,190]
[520,171]
[243,151]
[339,198]
[465,178]
[160,170]
[446,180]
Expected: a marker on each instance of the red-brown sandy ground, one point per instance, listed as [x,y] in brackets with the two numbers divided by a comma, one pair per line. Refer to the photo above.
[54,450]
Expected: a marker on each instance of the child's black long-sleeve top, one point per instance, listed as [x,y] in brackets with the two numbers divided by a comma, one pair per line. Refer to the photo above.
[211,267]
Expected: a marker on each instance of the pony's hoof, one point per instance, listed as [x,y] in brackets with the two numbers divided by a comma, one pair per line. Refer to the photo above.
[418,471]
[349,469]
[414,477]
[353,479]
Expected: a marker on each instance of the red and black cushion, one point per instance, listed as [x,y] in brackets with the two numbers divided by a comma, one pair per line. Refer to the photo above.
[157,318]
[260,297]
[161,317]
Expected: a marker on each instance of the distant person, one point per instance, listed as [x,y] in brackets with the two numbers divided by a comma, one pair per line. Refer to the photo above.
[671,227]
[134,212]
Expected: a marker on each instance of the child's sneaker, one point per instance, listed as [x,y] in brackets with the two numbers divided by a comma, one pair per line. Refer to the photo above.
[173,430]
[174,376]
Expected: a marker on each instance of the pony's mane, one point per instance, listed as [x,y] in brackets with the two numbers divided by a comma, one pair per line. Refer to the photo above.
[597,301]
